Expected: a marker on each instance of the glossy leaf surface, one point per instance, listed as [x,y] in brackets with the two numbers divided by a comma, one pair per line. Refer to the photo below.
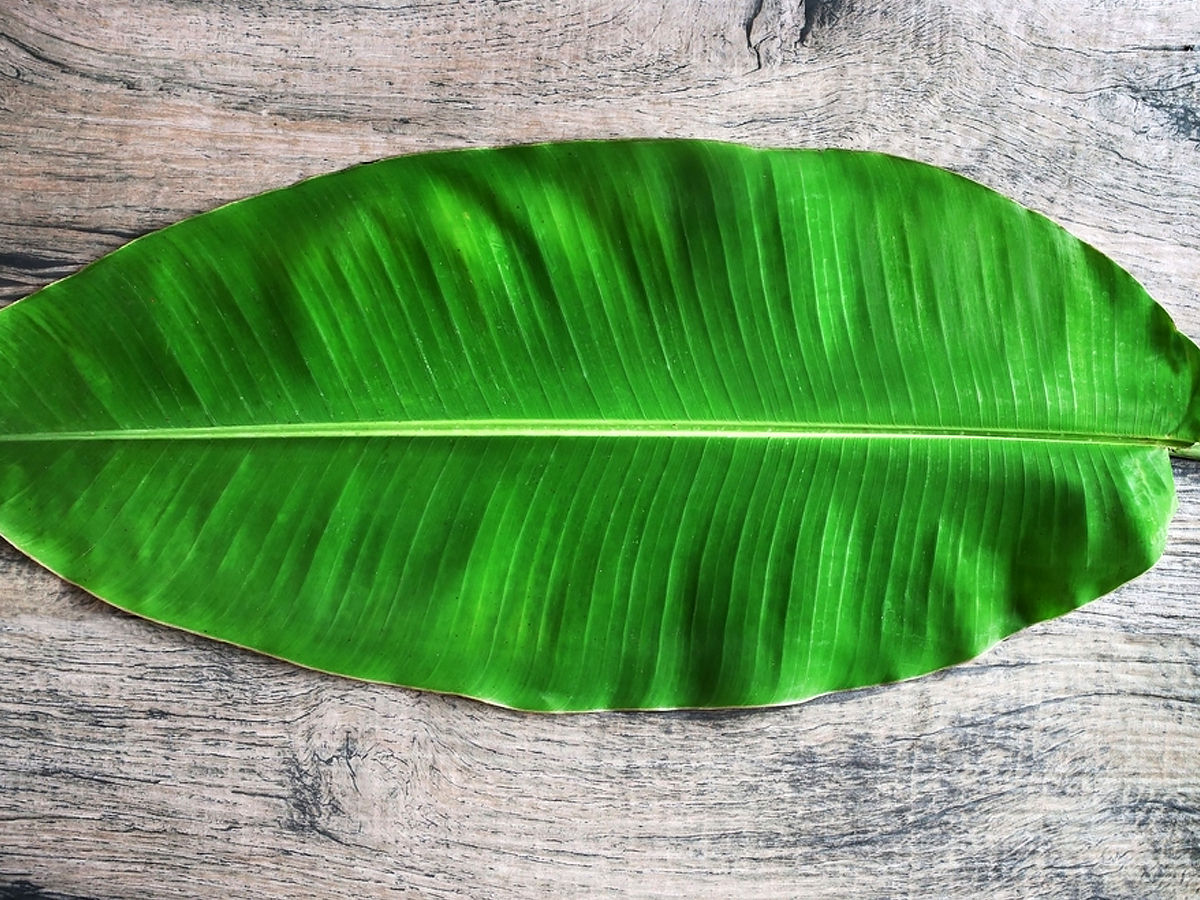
[638,424]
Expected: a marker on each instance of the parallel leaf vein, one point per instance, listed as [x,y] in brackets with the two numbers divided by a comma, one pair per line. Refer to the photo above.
[595,428]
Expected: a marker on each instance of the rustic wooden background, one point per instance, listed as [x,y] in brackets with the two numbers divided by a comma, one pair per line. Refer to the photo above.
[135,761]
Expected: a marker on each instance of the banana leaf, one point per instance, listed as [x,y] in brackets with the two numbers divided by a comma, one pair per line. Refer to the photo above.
[576,426]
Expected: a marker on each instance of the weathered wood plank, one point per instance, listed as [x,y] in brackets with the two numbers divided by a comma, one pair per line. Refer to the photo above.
[140,761]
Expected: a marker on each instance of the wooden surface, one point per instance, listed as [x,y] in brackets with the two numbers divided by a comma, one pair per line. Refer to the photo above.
[136,761]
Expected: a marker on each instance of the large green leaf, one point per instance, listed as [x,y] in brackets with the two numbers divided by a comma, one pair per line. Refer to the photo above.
[639,424]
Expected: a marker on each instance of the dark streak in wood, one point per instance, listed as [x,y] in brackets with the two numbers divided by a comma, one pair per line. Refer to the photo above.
[27,890]
[1180,107]
[819,13]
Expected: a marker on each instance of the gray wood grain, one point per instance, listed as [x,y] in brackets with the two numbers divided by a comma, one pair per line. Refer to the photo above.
[136,761]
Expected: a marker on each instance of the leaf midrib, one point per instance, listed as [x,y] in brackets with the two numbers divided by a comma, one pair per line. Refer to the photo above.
[584,428]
